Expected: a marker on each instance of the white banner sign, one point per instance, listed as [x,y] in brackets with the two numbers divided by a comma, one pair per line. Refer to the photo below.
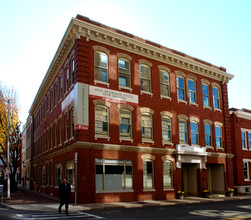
[113,95]
[81,107]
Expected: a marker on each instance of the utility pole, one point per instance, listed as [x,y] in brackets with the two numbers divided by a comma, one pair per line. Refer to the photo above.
[8,151]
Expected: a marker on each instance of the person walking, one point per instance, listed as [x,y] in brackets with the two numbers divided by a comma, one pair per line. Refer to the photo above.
[64,191]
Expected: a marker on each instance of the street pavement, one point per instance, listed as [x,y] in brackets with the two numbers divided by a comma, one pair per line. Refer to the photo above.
[28,200]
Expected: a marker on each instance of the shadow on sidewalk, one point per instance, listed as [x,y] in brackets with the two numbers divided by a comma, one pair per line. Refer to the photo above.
[25,196]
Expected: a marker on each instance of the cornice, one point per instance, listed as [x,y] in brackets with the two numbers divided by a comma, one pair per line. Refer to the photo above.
[108,147]
[242,114]
[78,28]
[61,54]
[137,46]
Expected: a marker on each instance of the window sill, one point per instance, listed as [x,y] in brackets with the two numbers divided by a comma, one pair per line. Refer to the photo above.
[117,191]
[168,189]
[165,97]
[56,187]
[101,82]
[182,101]
[102,137]
[167,143]
[217,110]
[246,180]
[126,139]
[55,146]
[60,145]
[147,93]
[66,142]
[71,139]
[245,149]
[209,147]
[207,107]
[195,104]
[147,141]
[126,88]
[220,148]
[149,190]
[71,87]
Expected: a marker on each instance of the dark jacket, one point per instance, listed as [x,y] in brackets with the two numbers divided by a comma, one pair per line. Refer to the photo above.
[63,191]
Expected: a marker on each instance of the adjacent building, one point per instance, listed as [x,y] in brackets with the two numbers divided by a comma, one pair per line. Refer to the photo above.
[241,142]
[126,119]
[26,179]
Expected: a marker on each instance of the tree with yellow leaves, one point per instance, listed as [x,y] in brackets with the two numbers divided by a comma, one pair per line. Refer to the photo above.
[8,98]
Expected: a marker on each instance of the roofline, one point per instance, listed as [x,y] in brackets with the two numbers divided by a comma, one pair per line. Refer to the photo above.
[91,30]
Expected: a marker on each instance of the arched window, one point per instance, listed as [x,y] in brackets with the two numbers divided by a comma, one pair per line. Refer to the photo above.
[167,174]
[181,88]
[218,136]
[66,123]
[101,66]
[66,79]
[101,120]
[166,128]
[125,127]
[194,132]
[182,131]
[145,78]
[205,93]
[72,122]
[146,121]
[124,72]
[192,91]
[216,97]
[164,83]
[72,70]
[208,134]
[148,174]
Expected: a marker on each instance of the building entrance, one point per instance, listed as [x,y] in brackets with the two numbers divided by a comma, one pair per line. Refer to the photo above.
[189,178]
[215,178]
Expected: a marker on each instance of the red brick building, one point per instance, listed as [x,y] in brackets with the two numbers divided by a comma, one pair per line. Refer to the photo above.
[241,142]
[126,119]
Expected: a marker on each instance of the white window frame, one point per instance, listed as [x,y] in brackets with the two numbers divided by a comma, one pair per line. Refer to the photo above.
[192,92]
[181,89]
[146,78]
[103,107]
[99,68]
[206,95]
[146,174]
[216,98]
[183,132]
[197,133]
[206,124]
[247,161]
[164,84]
[244,140]
[249,140]
[166,175]
[164,128]
[125,72]
[128,124]
[221,141]
[147,124]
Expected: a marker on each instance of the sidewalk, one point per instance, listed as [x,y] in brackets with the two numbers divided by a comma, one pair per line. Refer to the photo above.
[24,199]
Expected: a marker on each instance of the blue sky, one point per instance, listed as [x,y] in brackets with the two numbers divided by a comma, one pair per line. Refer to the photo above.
[217,31]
